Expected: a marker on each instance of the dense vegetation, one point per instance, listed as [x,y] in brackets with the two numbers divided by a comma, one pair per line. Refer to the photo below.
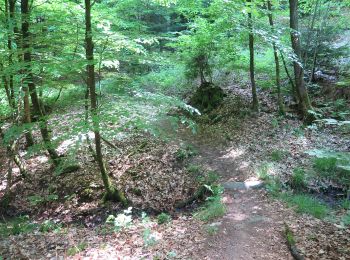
[106,105]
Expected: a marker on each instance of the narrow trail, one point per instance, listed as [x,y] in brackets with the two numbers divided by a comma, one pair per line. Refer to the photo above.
[253,225]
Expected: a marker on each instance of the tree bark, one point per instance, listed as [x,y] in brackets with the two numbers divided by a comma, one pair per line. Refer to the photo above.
[26,105]
[111,192]
[10,53]
[251,53]
[303,97]
[277,63]
[29,80]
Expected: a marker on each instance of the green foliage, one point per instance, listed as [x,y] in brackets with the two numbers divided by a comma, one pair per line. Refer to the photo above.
[272,183]
[346,219]
[22,225]
[325,165]
[148,238]
[194,169]
[185,152]
[17,226]
[49,225]
[345,204]
[213,207]
[263,172]
[332,165]
[298,179]
[211,229]
[77,249]
[163,218]
[289,236]
[168,80]
[277,155]
[299,131]
[37,199]
[303,203]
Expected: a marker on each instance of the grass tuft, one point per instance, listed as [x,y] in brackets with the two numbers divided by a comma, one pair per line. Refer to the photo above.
[306,204]
[213,208]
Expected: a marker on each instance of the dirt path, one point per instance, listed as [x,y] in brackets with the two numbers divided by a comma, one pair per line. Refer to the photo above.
[253,226]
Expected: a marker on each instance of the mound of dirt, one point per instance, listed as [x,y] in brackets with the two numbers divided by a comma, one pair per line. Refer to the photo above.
[154,178]
[207,97]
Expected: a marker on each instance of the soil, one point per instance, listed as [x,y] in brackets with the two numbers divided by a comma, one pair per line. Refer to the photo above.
[254,224]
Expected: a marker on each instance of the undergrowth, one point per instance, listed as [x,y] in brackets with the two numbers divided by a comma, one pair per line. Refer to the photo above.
[303,203]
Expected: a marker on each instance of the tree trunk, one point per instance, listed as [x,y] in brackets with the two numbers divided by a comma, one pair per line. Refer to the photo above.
[10,53]
[277,63]
[29,80]
[111,192]
[251,52]
[304,101]
[26,105]
[295,96]
[6,86]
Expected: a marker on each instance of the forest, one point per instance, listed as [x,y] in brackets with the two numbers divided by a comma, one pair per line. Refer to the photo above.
[175,129]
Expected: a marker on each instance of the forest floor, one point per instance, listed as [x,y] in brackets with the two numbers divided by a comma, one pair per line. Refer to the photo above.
[232,141]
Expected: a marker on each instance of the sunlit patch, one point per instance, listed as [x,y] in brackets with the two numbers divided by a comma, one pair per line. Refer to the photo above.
[244,165]
[42,159]
[233,153]
[72,141]
[237,216]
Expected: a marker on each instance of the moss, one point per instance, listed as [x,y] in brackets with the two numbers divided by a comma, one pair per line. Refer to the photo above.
[115,195]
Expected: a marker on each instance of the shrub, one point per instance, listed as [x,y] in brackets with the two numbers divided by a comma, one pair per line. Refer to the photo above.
[298,179]
[185,152]
[77,249]
[163,218]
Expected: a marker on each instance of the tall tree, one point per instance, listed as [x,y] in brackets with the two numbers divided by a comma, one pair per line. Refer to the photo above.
[111,192]
[29,81]
[303,97]
[10,53]
[277,63]
[26,103]
[251,52]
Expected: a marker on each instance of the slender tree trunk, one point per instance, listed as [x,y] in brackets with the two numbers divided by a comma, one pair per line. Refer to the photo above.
[251,52]
[29,80]
[277,63]
[26,105]
[289,77]
[111,192]
[10,53]
[304,101]
[6,86]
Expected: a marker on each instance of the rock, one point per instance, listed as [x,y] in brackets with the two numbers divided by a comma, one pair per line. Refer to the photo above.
[243,185]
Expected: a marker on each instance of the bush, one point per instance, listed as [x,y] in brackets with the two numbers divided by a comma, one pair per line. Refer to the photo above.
[163,218]
[185,152]
[298,179]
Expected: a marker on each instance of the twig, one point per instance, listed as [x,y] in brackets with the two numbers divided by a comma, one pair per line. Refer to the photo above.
[110,144]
